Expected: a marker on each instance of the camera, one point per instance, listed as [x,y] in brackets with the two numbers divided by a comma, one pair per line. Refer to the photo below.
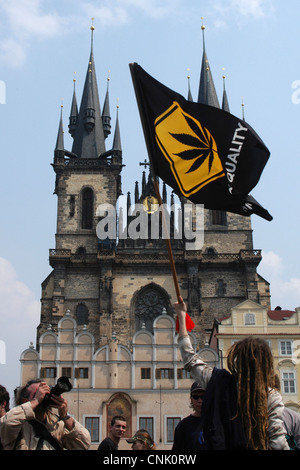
[62,385]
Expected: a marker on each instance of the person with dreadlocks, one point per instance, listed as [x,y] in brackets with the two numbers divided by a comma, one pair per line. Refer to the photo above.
[242,409]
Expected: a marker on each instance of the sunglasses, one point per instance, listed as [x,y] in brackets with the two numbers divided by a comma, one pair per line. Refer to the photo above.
[196,397]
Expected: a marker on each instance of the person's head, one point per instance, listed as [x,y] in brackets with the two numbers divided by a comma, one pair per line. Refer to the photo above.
[27,392]
[4,400]
[141,441]
[197,395]
[117,428]
[251,362]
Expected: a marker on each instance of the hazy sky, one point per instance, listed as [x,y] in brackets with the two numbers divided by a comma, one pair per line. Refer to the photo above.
[44,44]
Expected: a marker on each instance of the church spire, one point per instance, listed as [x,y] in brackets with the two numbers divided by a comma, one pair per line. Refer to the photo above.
[106,113]
[225,104]
[207,92]
[117,149]
[73,113]
[60,134]
[89,135]
[190,97]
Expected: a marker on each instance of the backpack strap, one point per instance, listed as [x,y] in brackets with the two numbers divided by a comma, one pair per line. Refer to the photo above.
[44,435]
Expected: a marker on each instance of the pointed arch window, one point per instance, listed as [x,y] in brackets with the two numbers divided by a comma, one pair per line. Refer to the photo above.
[149,304]
[87,208]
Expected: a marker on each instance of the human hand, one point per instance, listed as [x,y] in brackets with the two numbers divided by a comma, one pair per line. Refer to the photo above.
[62,406]
[57,401]
[180,308]
[42,389]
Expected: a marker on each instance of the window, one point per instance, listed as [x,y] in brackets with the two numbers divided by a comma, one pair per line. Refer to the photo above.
[145,373]
[92,424]
[285,348]
[82,373]
[81,314]
[288,382]
[249,319]
[66,371]
[146,423]
[48,372]
[221,288]
[171,425]
[183,374]
[218,217]
[87,208]
[164,373]
[72,205]
[149,304]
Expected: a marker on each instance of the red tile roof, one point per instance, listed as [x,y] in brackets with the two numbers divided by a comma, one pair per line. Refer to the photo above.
[279,314]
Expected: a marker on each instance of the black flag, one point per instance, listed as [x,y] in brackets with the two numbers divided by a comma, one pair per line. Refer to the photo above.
[205,154]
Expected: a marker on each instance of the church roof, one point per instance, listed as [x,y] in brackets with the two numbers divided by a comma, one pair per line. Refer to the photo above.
[88,127]
[60,134]
[88,134]
[207,92]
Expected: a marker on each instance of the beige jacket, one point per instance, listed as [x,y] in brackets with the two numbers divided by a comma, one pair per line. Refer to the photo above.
[16,433]
[201,372]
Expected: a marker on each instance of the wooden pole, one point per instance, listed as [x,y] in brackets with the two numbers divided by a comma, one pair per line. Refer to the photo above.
[167,238]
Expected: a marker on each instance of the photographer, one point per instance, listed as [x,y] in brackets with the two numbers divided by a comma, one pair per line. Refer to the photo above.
[31,425]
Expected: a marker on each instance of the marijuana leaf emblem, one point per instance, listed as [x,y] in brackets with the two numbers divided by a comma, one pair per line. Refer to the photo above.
[201,147]
[189,148]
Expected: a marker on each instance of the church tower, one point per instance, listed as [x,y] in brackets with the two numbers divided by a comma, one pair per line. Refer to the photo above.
[229,260]
[86,177]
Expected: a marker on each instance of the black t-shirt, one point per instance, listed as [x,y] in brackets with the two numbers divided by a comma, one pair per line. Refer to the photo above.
[107,444]
[189,434]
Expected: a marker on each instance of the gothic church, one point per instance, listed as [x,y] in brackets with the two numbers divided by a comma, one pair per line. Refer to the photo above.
[116,286]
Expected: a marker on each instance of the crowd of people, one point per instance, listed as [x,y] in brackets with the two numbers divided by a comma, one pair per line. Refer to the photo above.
[238,408]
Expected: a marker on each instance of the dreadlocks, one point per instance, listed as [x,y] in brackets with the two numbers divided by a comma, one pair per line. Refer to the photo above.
[250,361]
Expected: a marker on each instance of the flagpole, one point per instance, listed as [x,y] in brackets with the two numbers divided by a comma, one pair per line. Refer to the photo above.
[167,237]
[158,196]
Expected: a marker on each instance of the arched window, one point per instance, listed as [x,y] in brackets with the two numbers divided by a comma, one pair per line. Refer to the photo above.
[82,314]
[87,208]
[221,288]
[149,303]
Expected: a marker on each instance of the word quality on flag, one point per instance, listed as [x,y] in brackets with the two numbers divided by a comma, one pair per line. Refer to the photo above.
[204,153]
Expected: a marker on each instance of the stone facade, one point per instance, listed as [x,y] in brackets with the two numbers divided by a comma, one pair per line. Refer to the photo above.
[143,380]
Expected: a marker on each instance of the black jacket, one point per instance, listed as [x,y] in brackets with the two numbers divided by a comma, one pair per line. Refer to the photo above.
[222,427]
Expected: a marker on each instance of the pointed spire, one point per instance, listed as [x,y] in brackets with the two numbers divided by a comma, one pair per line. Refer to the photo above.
[190,98]
[207,92]
[60,134]
[136,192]
[89,115]
[74,112]
[225,104]
[89,135]
[106,113]
[243,111]
[117,138]
[128,202]
[143,182]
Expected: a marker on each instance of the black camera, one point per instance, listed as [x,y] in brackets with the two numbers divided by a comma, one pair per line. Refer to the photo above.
[62,385]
